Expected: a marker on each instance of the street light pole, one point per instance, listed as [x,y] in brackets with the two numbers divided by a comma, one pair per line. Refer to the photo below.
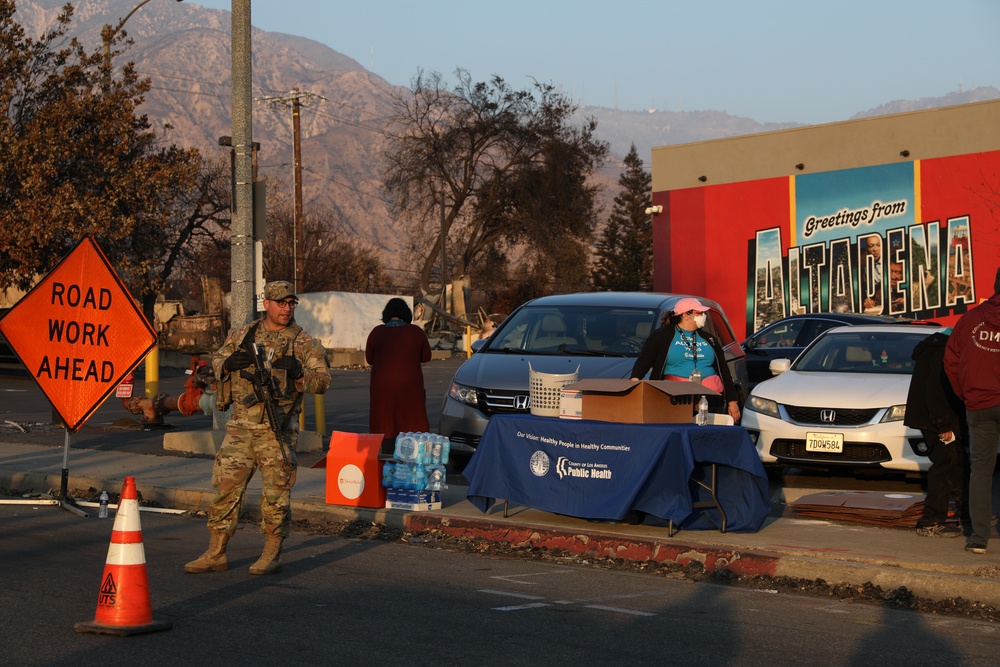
[107,34]
[244,301]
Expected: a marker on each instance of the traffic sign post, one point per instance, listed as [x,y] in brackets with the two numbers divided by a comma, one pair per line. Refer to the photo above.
[79,333]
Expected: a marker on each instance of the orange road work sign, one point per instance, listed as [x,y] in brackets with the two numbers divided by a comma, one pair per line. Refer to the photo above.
[79,333]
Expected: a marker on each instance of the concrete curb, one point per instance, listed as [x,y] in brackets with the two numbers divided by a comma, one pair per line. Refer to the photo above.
[918,579]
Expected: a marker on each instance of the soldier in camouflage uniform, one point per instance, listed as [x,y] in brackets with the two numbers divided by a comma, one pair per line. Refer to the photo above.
[298,364]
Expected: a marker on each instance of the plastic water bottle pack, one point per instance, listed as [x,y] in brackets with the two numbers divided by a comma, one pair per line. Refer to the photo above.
[425,448]
[419,463]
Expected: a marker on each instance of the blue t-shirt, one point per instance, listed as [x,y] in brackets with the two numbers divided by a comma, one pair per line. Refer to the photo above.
[681,357]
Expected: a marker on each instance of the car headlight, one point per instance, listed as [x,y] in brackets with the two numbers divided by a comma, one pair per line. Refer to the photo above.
[763,405]
[463,394]
[894,414]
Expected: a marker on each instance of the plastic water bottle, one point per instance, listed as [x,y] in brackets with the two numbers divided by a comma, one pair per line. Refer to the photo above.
[406,447]
[437,445]
[436,479]
[102,511]
[423,453]
[401,476]
[388,472]
[445,449]
[419,477]
[702,419]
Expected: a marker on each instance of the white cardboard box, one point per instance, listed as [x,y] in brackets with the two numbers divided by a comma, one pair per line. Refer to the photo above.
[412,501]
[570,404]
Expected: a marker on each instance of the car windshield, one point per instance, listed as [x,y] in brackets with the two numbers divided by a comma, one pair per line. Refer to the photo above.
[861,352]
[582,330]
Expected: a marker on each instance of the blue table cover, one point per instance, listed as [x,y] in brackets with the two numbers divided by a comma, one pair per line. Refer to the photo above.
[601,470]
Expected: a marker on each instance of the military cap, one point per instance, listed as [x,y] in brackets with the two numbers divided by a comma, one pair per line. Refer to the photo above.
[278,290]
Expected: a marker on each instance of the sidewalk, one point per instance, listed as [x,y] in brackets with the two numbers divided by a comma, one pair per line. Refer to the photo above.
[933,568]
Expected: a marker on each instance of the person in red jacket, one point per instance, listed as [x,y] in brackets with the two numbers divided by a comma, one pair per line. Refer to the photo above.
[396,349]
[972,363]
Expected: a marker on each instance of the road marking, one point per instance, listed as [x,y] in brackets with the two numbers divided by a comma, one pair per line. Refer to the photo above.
[513,595]
[537,605]
[521,606]
[633,612]
[518,578]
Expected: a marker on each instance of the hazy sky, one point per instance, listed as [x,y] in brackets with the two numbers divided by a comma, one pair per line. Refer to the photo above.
[801,61]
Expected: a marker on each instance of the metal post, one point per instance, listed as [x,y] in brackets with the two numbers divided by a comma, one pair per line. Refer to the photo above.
[297,155]
[244,299]
[444,276]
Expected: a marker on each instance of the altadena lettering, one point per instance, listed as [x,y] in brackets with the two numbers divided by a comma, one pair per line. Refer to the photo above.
[923,267]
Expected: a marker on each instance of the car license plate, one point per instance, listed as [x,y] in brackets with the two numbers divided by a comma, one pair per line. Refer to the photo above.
[832,443]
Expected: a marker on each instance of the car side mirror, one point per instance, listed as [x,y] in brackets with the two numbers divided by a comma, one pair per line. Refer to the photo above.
[779,366]
[749,344]
[478,344]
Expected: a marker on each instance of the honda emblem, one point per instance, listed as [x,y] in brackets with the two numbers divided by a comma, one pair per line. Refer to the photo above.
[827,416]
[522,402]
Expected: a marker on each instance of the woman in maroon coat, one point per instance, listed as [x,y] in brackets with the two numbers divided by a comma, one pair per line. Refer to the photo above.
[395,350]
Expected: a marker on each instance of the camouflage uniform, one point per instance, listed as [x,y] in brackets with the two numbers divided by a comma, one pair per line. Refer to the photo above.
[250,443]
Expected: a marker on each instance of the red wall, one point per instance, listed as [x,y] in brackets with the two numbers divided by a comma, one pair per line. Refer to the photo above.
[704,238]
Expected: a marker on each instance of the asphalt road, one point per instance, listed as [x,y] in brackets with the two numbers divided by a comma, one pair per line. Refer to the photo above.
[344,601]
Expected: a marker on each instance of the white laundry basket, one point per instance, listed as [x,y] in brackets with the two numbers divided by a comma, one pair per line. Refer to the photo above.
[545,390]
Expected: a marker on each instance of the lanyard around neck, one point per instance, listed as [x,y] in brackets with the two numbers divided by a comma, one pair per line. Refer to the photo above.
[693,343]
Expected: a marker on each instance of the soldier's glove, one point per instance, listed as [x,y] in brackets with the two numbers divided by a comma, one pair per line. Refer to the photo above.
[238,360]
[290,365]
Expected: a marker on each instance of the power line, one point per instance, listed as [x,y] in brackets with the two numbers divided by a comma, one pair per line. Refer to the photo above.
[348,186]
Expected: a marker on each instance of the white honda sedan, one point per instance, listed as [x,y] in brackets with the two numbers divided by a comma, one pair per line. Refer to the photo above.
[841,402]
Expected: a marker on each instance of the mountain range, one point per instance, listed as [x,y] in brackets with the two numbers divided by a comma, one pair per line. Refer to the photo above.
[184,50]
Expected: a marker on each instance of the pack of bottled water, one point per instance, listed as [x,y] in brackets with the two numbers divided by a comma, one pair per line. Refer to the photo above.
[425,448]
[414,478]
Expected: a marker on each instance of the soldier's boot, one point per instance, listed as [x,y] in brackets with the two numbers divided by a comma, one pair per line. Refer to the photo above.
[213,560]
[269,561]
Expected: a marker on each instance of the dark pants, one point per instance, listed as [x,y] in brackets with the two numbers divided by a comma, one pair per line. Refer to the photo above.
[945,478]
[984,432]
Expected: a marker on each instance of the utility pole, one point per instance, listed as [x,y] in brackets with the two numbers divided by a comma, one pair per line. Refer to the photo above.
[244,299]
[444,263]
[293,100]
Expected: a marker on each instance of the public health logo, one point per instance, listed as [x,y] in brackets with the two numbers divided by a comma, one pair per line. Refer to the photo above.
[539,463]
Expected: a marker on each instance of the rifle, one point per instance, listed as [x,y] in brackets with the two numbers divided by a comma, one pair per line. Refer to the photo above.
[265,389]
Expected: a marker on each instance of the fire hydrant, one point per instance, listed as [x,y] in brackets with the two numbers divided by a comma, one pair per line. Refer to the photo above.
[198,396]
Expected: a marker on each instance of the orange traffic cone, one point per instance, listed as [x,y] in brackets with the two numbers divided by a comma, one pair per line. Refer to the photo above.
[123,606]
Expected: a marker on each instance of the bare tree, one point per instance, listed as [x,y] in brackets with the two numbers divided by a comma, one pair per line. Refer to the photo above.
[332,260]
[486,167]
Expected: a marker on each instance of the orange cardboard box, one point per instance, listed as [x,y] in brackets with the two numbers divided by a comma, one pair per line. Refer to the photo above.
[642,402]
[353,471]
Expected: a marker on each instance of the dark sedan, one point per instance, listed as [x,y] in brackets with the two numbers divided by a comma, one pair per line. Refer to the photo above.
[785,338]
